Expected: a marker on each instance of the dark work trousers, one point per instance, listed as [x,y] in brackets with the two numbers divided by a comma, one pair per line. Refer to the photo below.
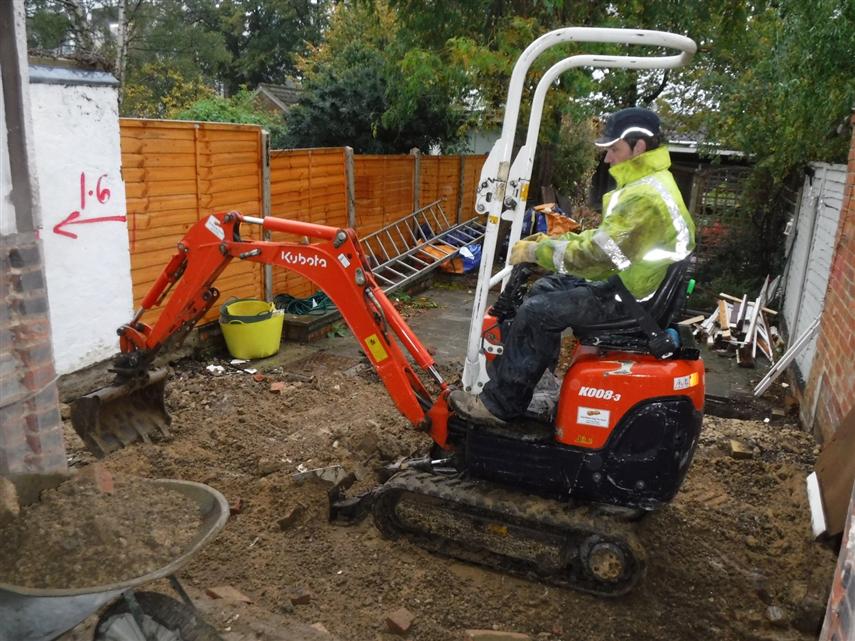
[554,303]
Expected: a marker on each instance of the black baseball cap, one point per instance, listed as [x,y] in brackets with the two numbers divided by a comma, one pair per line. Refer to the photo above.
[625,122]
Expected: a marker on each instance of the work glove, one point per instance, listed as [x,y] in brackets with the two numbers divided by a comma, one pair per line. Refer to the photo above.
[523,251]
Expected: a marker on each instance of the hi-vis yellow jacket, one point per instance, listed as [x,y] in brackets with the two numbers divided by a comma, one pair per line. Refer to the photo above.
[646,227]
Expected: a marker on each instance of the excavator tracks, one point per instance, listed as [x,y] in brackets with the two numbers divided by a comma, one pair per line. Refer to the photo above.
[512,532]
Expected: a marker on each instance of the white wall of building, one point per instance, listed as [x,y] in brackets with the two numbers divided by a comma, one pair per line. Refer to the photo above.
[7,211]
[87,263]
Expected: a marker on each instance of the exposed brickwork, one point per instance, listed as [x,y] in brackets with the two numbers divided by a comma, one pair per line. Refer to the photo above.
[30,427]
[831,387]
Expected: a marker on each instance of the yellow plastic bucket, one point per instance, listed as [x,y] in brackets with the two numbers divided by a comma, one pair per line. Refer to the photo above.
[252,328]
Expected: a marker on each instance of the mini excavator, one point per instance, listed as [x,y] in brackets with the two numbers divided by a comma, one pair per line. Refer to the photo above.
[556,497]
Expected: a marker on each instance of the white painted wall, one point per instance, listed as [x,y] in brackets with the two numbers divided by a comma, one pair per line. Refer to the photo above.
[78,161]
[7,211]
[809,259]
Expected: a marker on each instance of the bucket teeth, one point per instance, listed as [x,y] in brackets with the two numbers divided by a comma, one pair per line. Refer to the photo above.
[115,416]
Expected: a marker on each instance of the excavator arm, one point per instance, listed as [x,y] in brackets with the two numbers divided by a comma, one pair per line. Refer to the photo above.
[335,263]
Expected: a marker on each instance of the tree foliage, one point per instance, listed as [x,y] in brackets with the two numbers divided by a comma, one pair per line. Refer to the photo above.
[239,108]
[362,88]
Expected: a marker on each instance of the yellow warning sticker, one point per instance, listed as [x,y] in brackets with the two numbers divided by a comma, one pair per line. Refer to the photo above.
[375,346]
[493,219]
[524,192]
[685,382]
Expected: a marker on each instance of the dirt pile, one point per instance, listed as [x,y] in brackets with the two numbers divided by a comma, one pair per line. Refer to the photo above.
[730,559]
[79,535]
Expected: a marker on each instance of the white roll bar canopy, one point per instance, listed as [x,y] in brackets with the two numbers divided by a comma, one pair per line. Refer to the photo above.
[497,170]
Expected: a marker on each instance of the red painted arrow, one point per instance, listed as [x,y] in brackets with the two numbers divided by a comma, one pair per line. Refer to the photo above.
[74,219]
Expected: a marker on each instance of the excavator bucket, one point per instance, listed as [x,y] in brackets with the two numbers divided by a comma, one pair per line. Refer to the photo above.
[116,416]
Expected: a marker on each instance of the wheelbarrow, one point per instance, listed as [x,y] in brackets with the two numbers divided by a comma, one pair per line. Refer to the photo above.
[43,614]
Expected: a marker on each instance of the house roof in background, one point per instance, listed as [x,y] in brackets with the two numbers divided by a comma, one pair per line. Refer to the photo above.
[282,96]
[695,147]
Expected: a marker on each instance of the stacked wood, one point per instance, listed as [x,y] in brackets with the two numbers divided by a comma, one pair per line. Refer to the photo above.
[739,326]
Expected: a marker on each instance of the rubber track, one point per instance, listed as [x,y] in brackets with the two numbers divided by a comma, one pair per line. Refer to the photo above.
[510,531]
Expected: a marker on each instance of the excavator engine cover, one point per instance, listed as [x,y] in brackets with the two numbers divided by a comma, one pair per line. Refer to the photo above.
[117,415]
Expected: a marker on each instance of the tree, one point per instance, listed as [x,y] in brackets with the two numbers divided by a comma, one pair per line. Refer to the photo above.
[159,89]
[239,108]
[266,37]
[785,103]
[361,88]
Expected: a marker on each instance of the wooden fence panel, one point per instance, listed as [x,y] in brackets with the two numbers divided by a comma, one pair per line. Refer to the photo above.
[177,173]
[440,179]
[308,185]
[384,190]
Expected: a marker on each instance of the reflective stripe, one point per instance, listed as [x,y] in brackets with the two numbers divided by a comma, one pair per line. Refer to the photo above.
[681,250]
[559,248]
[612,203]
[611,249]
[640,300]
[655,255]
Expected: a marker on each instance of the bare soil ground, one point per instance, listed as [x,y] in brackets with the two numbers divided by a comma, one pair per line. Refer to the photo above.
[96,537]
[730,558]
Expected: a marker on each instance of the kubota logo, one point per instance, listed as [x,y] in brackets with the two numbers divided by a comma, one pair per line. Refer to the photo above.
[300,259]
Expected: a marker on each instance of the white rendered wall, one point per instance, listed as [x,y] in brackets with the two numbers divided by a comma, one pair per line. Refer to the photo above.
[7,212]
[78,161]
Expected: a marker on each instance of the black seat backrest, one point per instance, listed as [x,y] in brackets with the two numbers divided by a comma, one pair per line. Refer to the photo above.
[666,302]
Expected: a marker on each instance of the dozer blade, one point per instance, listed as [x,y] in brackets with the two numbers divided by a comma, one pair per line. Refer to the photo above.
[116,416]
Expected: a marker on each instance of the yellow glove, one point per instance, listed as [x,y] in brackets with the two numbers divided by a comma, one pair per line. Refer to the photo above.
[523,252]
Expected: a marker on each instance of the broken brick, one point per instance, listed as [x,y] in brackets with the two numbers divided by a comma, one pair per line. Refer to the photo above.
[291,517]
[227,592]
[400,621]
[740,450]
[259,378]
[236,506]
[277,387]
[99,476]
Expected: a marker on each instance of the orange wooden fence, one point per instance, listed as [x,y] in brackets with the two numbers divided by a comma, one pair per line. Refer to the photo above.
[309,185]
[177,172]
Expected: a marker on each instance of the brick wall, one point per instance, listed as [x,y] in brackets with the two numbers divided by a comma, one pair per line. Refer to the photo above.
[831,384]
[30,427]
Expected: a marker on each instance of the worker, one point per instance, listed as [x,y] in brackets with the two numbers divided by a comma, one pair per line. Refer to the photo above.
[645,228]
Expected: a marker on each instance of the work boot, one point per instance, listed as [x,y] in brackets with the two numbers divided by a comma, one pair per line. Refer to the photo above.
[472,408]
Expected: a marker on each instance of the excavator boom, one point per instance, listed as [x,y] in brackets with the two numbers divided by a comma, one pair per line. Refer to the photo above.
[132,407]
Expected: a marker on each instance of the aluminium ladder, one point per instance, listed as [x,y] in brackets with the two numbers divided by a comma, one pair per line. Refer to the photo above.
[416,244]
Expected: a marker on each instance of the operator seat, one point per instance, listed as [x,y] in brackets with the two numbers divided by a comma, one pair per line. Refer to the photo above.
[626,333]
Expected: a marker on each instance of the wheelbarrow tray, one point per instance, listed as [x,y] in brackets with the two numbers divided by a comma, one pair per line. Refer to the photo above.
[42,614]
